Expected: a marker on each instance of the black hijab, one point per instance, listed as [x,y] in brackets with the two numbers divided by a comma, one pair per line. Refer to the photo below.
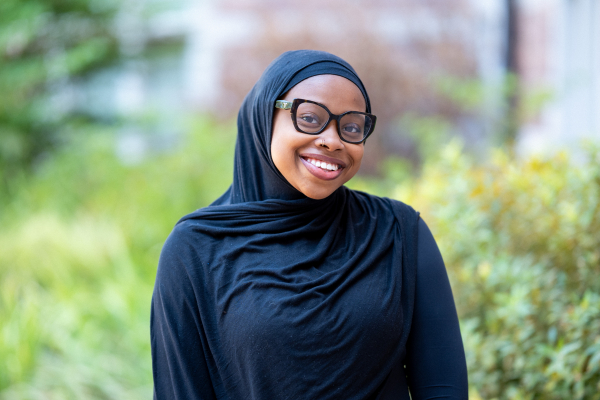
[255,176]
[295,297]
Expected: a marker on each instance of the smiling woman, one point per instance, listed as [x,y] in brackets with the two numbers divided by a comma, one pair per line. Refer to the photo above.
[290,285]
[317,165]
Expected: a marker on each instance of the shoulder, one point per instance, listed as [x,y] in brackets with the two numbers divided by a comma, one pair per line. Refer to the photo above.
[181,254]
[180,238]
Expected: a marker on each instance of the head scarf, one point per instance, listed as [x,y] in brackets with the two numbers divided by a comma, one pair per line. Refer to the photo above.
[298,298]
[255,176]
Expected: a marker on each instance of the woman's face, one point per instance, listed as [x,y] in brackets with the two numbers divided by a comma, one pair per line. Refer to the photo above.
[295,153]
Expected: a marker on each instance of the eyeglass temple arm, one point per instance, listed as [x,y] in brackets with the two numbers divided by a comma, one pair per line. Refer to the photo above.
[284,105]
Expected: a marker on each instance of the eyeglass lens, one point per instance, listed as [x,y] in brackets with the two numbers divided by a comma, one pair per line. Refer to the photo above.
[353,126]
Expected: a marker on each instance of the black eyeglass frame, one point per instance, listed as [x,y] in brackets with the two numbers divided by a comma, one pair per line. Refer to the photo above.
[293,107]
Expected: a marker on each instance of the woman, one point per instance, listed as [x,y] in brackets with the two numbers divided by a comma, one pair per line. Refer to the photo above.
[290,285]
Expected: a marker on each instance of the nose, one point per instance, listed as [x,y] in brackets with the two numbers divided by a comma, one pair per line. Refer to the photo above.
[329,138]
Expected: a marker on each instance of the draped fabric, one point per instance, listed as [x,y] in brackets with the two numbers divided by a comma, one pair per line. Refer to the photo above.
[286,297]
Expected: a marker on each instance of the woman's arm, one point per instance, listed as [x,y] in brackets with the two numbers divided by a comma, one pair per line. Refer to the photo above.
[435,365]
[179,366]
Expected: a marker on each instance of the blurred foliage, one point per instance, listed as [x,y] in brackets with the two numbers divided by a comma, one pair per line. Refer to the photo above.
[81,236]
[44,44]
[79,244]
[520,240]
[502,107]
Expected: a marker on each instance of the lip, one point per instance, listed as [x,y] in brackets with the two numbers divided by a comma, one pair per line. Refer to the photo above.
[320,173]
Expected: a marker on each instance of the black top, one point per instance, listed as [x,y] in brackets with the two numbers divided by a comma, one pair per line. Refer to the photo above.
[183,369]
[267,294]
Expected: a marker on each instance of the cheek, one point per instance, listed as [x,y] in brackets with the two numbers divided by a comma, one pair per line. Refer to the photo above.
[357,155]
[282,146]
[276,137]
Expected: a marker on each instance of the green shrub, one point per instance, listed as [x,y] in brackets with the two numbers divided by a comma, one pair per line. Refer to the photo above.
[521,240]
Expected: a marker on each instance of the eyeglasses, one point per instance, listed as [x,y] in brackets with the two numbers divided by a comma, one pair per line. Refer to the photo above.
[312,118]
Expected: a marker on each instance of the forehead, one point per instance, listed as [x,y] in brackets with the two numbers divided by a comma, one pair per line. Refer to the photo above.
[337,93]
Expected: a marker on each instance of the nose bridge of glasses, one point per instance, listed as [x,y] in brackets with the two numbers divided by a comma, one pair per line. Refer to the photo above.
[331,129]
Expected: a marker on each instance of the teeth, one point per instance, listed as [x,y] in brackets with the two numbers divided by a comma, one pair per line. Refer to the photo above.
[323,165]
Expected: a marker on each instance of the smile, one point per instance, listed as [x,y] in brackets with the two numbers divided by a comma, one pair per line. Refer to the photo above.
[326,169]
[323,164]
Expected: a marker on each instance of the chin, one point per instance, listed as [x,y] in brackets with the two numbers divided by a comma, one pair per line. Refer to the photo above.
[317,194]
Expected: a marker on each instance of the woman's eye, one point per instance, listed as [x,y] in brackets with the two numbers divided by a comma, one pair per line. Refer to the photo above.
[309,119]
[352,128]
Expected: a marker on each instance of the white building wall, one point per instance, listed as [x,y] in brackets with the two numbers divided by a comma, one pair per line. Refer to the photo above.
[573,78]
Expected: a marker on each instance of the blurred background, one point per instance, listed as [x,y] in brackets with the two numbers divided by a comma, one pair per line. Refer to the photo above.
[117,117]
